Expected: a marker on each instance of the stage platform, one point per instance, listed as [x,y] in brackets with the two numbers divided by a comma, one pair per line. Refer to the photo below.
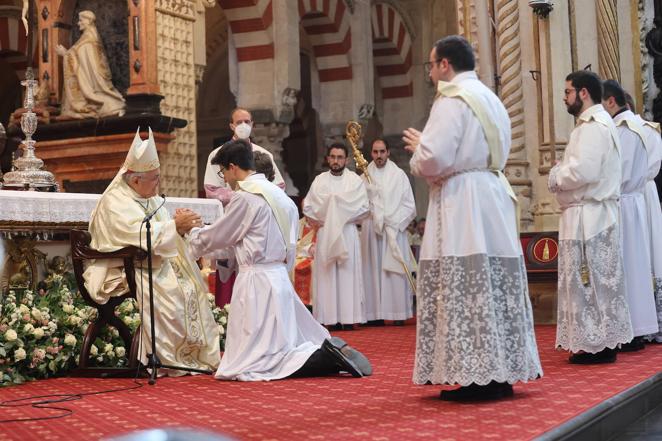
[569,402]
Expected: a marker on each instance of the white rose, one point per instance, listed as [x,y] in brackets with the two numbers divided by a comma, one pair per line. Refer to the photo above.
[108,348]
[27,329]
[211,297]
[221,329]
[38,333]
[22,309]
[75,320]
[128,307]
[127,320]
[223,320]
[11,335]
[94,350]
[52,326]
[227,307]
[68,308]
[69,340]
[120,351]
[19,354]
[36,314]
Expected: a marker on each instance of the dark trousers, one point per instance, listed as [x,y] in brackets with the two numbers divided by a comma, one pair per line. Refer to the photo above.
[319,364]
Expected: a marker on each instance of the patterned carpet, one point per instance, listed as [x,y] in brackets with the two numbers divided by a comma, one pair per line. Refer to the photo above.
[382,407]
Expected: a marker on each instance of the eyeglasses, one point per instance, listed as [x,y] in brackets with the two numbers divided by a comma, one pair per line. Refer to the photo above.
[221,171]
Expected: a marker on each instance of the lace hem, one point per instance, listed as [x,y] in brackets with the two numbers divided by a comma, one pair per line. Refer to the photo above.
[658,306]
[474,322]
[593,317]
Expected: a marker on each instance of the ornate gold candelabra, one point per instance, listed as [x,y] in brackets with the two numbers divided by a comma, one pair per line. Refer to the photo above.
[353,133]
[28,174]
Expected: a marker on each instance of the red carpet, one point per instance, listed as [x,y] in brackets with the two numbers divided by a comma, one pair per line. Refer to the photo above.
[382,407]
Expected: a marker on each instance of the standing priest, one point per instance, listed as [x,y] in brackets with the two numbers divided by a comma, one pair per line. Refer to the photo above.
[385,250]
[475,325]
[633,215]
[336,202]
[593,313]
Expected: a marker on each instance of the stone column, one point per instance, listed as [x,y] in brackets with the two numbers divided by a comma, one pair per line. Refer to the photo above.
[608,51]
[174,38]
[509,67]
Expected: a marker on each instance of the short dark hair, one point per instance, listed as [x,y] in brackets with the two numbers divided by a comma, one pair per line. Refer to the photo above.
[611,88]
[388,147]
[337,145]
[585,79]
[264,165]
[238,152]
[630,101]
[457,50]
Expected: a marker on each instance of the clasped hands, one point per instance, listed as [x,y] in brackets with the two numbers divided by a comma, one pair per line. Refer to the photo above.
[186,219]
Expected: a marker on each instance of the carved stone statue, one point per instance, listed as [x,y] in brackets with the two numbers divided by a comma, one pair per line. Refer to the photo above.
[88,89]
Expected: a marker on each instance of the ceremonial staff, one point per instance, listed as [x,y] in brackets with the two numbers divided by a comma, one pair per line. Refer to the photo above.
[353,133]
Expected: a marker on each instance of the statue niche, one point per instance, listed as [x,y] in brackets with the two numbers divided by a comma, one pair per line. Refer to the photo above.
[88,90]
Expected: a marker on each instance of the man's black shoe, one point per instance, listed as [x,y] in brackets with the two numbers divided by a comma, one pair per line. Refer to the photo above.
[375,323]
[605,356]
[474,392]
[344,363]
[636,344]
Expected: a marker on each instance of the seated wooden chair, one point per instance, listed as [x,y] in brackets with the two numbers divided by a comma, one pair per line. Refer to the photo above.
[81,251]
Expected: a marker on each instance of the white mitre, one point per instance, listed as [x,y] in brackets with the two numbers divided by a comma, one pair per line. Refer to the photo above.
[142,156]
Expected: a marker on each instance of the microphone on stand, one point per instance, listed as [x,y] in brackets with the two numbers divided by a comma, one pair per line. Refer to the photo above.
[151,215]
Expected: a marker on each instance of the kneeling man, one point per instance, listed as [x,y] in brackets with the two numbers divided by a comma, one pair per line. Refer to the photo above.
[270,333]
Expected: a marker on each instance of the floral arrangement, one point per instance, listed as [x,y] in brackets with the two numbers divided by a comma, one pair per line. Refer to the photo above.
[41,335]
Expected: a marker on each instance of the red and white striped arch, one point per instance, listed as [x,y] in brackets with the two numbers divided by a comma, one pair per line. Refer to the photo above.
[392,52]
[250,22]
[327,24]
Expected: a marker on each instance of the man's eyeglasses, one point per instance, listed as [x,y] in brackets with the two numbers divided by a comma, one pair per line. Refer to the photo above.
[220,171]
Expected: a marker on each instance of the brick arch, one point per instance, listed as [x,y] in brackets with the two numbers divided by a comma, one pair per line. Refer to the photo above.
[250,22]
[392,51]
[327,24]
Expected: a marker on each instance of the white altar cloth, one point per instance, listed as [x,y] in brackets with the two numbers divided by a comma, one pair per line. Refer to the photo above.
[43,208]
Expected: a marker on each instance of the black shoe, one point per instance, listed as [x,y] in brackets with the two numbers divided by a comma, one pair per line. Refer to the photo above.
[360,360]
[605,356]
[474,392]
[344,363]
[375,323]
[636,344]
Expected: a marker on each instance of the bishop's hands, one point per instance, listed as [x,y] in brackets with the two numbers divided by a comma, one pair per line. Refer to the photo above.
[186,220]
[411,137]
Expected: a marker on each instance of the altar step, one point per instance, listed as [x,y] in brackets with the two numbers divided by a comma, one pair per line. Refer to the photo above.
[612,419]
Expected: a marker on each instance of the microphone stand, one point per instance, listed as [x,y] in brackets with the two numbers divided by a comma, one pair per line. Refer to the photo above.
[153,361]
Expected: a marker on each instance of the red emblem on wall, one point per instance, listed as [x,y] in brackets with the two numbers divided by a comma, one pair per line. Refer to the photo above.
[545,250]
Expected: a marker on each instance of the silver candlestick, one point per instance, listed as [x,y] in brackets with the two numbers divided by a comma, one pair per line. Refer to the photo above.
[28,174]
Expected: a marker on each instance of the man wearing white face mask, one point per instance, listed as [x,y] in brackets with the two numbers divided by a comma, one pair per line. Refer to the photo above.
[241,123]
